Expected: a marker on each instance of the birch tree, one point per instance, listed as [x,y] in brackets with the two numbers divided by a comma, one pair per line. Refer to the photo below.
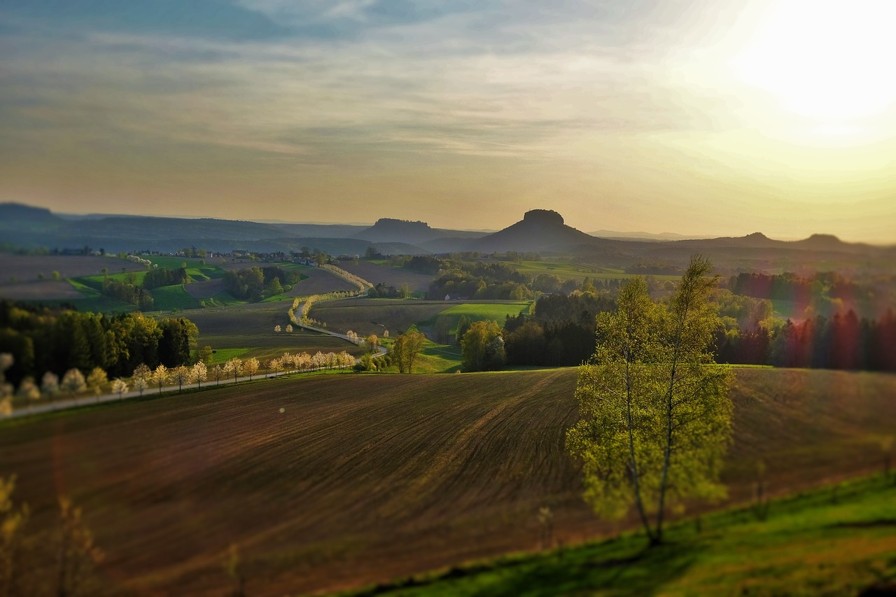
[655,414]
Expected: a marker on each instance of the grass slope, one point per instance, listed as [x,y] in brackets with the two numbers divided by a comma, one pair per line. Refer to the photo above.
[368,478]
[837,540]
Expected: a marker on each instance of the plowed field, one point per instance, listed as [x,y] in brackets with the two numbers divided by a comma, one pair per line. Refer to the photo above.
[363,478]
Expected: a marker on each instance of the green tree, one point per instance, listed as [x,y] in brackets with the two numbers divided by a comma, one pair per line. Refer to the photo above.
[483,347]
[406,348]
[655,413]
[205,354]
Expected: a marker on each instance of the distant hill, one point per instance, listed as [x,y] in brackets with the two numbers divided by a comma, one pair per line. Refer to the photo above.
[539,230]
[392,230]
[394,233]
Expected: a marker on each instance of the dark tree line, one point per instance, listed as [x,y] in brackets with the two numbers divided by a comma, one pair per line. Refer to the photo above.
[156,278]
[789,286]
[842,341]
[42,339]
[128,292]
[256,283]
[560,331]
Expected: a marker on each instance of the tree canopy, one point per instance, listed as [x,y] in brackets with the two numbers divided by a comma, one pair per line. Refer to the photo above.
[655,414]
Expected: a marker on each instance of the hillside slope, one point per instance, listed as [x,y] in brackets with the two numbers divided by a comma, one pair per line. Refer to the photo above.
[365,478]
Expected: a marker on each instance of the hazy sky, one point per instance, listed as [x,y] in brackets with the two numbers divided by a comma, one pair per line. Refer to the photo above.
[710,117]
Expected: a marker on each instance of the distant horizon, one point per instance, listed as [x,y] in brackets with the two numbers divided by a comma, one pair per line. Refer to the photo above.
[633,234]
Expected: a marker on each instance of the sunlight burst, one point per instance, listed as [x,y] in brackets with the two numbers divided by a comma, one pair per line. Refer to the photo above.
[828,61]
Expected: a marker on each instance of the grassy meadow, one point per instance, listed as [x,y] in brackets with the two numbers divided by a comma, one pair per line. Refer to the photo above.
[364,479]
[835,540]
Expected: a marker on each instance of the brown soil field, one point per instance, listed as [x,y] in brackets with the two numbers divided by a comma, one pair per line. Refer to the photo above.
[367,478]
[205,289]
[39,290]
[19,274]
[320,281]
[371,316]
[252,326]
[390,276]
[27,267]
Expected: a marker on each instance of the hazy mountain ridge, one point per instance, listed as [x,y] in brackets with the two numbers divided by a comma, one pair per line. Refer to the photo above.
[540,230]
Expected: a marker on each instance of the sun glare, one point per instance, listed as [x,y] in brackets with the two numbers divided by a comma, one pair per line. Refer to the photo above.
[830,62]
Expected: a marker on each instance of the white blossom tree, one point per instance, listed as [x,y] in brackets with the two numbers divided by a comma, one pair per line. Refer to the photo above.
[198,373]
[141,377]
[274,365]
[119,386]
[73,381]
[250,367]
[49,384]
[28,389]
[160,376]
[140,384]
[233,367]
[180,375]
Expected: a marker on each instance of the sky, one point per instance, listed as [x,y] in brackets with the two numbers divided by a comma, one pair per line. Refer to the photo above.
[700,117]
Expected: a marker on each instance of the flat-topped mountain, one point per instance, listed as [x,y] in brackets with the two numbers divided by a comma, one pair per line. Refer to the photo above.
[391,230]
[539,230]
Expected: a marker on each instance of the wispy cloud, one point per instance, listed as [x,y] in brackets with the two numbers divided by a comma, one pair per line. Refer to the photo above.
[616,98]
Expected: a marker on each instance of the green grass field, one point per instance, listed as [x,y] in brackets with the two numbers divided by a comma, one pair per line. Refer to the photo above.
[442,326]
[571,271]
[495,311]
[364,479]
[173,298]
[836,540]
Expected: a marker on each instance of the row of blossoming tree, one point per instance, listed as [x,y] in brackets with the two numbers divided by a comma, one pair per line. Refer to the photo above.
[74,382]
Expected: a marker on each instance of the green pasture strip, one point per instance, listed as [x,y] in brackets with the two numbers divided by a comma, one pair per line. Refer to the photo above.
[222,355]
[496,311]
[834,540]
[96,280]
[87,290]
[567,271]
[173,298]
[438,358]
[221,299]
[173,262]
